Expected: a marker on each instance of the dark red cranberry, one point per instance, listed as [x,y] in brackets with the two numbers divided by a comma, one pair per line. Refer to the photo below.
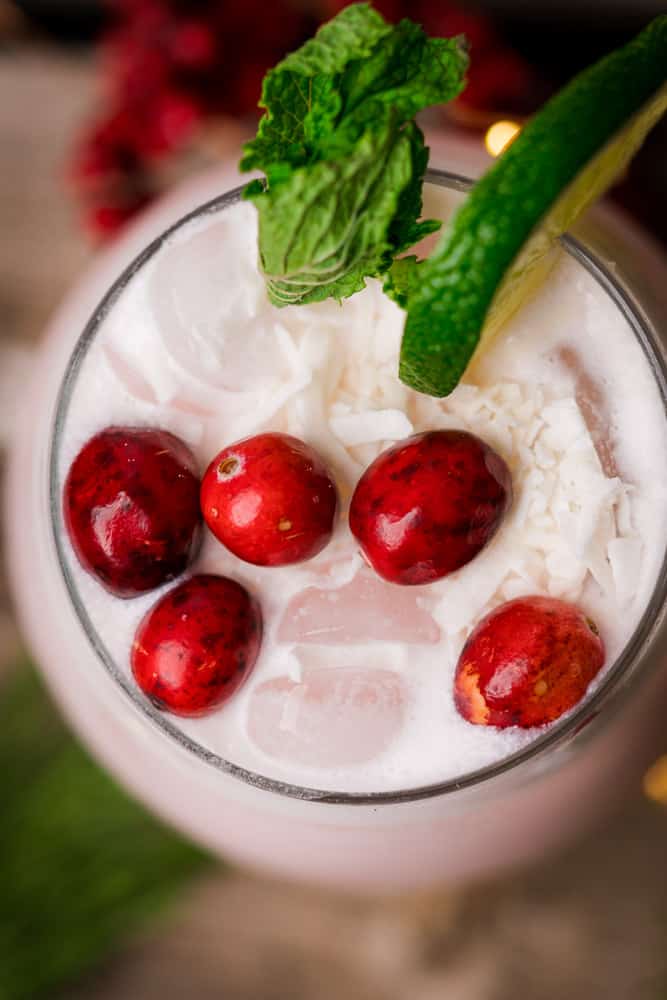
[270,500]
[197,644]
[428,505]
[526,663]
[131,507]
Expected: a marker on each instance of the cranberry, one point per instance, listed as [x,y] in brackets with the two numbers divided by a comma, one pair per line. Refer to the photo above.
[428,505]
[197,644]
[526,663]
[270,500]
[131,507]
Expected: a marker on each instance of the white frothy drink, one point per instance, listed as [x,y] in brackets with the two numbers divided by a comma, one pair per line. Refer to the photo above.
[353,689]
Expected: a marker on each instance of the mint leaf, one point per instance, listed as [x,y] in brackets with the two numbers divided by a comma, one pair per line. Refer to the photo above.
[343,160]
[407,71]
[401,280]
[405,231]
[328,226]
[299,94]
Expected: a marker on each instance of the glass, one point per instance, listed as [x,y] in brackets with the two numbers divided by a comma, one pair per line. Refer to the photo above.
[542,776]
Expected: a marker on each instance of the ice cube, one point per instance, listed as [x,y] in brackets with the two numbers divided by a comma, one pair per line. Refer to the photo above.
[590,397]
[210,306]
[362,610]
[333,717]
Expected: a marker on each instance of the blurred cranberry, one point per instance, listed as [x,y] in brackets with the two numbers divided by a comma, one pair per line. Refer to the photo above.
[139,70]
[170,121]
[168,64]
[143,15]
[192,44]
[501,81]
[391,10]
[446,20]
[108,218]
[93,161]
[248,87]
[107,152]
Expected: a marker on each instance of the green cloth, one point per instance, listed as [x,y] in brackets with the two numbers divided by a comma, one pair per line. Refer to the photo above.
[81,864]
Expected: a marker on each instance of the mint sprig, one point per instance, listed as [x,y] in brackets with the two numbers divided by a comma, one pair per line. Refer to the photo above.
[343,159]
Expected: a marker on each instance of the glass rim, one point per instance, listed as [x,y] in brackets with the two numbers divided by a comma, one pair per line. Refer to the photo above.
[558,735]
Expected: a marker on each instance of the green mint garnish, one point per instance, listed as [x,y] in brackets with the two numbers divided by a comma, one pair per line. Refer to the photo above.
[343,159]
[401,279]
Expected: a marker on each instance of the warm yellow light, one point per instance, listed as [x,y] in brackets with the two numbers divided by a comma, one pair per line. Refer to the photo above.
[655,781]
[499,135]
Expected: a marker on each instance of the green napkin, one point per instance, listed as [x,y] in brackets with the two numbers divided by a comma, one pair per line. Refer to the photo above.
[81,864]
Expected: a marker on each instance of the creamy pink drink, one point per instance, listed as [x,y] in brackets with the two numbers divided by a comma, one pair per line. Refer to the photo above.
[342,757]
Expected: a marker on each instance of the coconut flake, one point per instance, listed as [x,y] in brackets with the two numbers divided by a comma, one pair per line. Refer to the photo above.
[370,426]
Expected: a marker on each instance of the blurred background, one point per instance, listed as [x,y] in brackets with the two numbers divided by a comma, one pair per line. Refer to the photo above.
[103,107]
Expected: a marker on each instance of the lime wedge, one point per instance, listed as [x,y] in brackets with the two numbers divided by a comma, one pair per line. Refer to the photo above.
[496,248]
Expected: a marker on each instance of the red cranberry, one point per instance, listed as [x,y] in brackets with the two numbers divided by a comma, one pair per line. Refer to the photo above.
[270,500]
[526,663]
[131,506]
[197,644]
[428,505]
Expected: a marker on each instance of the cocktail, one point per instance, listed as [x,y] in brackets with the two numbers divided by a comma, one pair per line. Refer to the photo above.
[309,689]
